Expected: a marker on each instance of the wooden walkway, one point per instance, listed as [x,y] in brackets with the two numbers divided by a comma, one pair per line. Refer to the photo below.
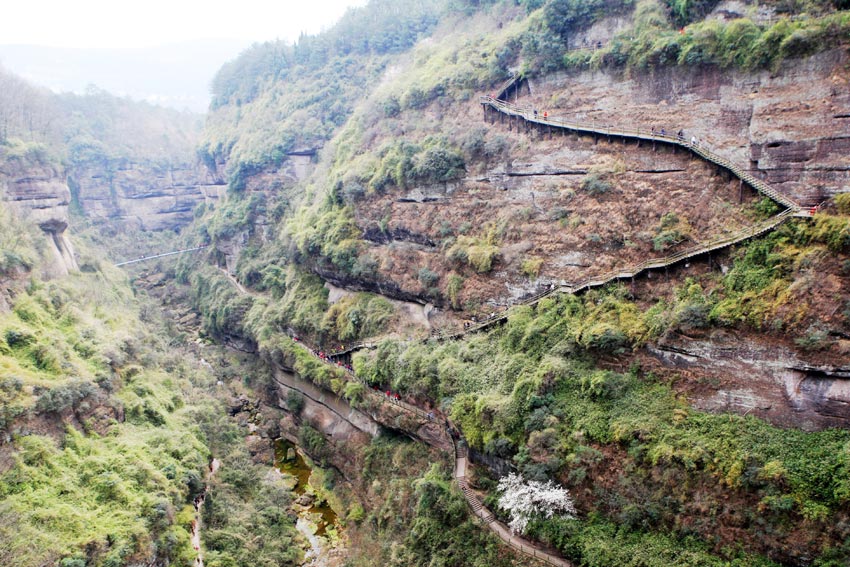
[645,266]
[792,209]
[461,457]
[489,519]
[528,115]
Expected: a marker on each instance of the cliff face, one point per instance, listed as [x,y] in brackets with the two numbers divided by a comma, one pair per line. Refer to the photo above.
[791,127]
[143,195]
[38,193]
[727,371]
[281,181]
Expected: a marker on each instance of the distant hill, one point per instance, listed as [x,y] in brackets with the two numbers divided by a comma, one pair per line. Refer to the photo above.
[177,75]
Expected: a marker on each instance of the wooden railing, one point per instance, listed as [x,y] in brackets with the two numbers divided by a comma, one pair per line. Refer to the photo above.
[527,113]
[651,264]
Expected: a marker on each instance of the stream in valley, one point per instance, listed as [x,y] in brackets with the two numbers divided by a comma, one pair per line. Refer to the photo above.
[317,521]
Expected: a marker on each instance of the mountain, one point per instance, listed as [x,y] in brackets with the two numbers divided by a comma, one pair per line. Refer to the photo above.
[479,260]
[176,75]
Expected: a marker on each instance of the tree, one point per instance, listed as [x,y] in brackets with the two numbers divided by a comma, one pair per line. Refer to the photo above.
[525,500]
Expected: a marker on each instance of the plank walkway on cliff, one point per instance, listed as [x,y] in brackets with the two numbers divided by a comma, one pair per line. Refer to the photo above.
[460,453]
[489,519]
[792,208]
[461,458]
[530,116]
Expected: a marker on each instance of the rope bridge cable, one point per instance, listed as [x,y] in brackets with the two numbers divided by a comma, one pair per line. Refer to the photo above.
[163,255]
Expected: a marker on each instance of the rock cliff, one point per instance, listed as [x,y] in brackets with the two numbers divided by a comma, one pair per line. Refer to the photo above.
[36,191]
[144,195]
[790,126]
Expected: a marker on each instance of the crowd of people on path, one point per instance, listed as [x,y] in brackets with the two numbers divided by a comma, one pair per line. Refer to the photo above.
[322,355]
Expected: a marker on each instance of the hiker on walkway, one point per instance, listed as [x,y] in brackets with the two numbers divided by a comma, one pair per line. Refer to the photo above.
[681,135]
[663,132]
[694,141]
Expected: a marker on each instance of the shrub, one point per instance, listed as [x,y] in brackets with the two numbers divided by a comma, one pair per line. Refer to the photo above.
[596,185]
[477,252]
[816,338]
[63,397]
[47,358]
[766,208]
[687,11]
[391,107]
[16,338]
[453,289]
[438,164]
[671,231]
[312,440]
[531,266]
[842,203]
[294,401]
[427,278]
[415,98]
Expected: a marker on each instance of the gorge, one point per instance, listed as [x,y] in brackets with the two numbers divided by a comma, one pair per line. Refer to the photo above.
[601,243]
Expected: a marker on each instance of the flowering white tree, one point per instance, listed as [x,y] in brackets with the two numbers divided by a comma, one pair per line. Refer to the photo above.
[524,499]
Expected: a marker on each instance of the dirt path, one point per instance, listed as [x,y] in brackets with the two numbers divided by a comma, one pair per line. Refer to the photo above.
[196,523]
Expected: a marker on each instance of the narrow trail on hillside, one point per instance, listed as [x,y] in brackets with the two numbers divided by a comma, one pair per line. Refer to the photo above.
[196,523]
[449,442]
[533,119]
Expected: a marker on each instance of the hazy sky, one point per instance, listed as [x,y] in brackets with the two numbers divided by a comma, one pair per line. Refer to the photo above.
[145,23]
[154,50]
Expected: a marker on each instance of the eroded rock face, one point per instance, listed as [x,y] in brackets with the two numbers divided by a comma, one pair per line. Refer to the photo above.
[325,411]
[37,192]
[147,196]
[791,127]
[751,376]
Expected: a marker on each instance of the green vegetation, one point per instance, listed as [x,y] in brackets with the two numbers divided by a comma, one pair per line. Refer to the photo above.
[107,426]
[275,96]
[96,424]
[415,505]
[355,316]
[246,514]
[657,37]
[842,203]
[93,129]
[671,231]
[596,185]
[530,391]
[19,244]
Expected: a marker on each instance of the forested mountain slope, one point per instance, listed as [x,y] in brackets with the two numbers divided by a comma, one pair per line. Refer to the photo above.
[413,194]
[697,410]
